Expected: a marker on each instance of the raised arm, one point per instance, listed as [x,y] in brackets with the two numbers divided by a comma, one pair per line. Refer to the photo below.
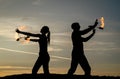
[27,33]
[90,28]
[89,37]
[34,40]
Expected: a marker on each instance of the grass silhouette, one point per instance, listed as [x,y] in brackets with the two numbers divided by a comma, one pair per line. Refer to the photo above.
[56,76]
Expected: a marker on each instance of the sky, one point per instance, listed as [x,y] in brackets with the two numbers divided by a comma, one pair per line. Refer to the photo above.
[102,51]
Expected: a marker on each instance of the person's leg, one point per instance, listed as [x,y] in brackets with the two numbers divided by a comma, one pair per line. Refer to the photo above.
[73,67]
[46,66]
[36,66]
[85,65]
[46,69]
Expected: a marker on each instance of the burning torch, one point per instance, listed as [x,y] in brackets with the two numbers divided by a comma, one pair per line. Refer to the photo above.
[23,39]
[102,24]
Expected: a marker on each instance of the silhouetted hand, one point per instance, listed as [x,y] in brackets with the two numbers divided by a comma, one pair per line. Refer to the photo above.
[27,37]
[17,30]
[96,22]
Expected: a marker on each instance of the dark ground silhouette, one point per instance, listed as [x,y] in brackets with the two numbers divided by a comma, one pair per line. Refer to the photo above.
[78,56]
[57,76]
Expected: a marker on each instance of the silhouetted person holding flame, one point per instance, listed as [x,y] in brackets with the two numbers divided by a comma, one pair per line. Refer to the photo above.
[78,56]
[44,58]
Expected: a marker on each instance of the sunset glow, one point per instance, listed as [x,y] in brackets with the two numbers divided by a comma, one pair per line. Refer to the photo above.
[18,54]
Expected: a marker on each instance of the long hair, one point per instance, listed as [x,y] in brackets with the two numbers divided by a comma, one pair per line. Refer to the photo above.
[48,37]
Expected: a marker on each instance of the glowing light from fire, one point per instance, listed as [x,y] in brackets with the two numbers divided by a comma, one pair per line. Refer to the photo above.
[102,23]
[22,27]
[22,39]
[27,39]
[16,36]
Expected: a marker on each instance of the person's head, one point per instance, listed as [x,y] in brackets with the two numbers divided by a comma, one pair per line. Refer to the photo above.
[45,30]
[75,26]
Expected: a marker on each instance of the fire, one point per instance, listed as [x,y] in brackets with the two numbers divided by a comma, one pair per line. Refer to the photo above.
[23,39]
[27,39]
[102,23]
[22,27]
[16,36]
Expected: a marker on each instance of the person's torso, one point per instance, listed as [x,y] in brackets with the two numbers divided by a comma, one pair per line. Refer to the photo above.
[77,44]
[43,44]
[76,39]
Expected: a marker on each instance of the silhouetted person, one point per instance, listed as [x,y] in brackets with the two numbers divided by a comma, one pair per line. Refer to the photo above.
[78,56]
[43,59]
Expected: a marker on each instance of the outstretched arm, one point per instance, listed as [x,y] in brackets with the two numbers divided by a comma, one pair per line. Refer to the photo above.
[90,28]
[34,40]
[89,37]
[27,33]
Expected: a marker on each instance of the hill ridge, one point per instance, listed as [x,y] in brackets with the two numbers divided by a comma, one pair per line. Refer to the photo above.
[57,76]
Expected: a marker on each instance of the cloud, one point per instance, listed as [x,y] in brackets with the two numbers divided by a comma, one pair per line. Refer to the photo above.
[61,38]
[62,34]
[107,33]
[64,58]
[36,2]
[14,67]
[95,43]
[8,25]
[50,49]
[31,53]
[6,49]
[102,49]
[101,46]
[1,0]
[7,72]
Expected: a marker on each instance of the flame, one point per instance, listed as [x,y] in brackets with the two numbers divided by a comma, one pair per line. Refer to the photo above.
[16,36]
[22,27]
[22,39]
[102,23]
[27,39]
